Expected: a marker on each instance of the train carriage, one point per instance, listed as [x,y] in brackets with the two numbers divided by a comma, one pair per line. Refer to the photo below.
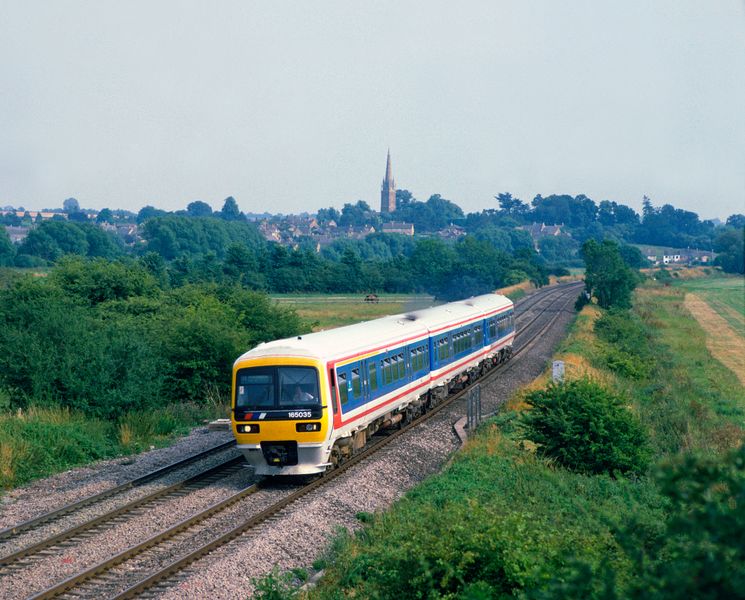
[301,405]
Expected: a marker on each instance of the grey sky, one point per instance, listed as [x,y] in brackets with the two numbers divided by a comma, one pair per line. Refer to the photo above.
[292,106]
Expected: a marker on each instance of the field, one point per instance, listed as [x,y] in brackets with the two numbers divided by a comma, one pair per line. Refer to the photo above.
[328,311]
[726,295]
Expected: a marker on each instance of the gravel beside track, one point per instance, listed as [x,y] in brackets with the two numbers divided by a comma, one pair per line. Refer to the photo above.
[293,538]
[44,495]
[300,533]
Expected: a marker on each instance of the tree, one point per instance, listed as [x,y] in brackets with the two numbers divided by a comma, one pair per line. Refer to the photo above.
[101,243]
[105,216]
[78,217]
[325,215]
[239,261]
[199,209]
[70,205]
[585,428]
[404,198]
[357,215]
[737,220]
[100,280]
[154,264]
[148,212]
[512,206]
[558,249]
[633,257]
[443,212]
[729,244]
[606,275]
[230,210]
[7,251]
[430,261]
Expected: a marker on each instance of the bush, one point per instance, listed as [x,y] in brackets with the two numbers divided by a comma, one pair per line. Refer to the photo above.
[497,523]
[582,300]
[627,343]
[585,428]
[702,554]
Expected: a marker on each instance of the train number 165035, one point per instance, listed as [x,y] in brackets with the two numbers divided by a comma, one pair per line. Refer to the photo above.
[299,414]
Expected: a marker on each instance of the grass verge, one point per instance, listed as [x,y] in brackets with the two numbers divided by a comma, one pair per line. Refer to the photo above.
[42,441]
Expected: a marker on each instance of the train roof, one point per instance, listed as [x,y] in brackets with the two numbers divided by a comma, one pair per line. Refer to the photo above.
[386,332]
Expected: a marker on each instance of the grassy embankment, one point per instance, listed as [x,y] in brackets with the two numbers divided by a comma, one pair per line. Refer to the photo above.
[501,521]
[38,442]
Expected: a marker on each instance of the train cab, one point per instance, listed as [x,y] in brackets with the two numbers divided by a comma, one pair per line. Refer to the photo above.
[281,414]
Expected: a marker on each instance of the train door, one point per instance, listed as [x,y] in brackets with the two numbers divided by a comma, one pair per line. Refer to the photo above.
[372,378]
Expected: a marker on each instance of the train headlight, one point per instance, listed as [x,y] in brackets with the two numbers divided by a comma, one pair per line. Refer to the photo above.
[250,428]
[306,427]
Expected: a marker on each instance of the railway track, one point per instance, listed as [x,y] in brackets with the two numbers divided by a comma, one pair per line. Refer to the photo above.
[68,509]
[104,580]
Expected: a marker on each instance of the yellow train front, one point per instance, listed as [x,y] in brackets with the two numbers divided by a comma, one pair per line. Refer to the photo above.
[280,414]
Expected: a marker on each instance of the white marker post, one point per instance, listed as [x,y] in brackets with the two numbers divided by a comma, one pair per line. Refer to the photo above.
[558,371]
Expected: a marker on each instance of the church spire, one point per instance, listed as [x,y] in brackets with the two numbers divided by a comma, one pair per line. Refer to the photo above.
[388,189]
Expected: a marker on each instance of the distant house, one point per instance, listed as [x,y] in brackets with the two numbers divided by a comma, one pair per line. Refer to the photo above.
[358,233]
[128,231]
[538,231]
[541,230]
[270,231]
[398,227]
[17,234]
[452,232]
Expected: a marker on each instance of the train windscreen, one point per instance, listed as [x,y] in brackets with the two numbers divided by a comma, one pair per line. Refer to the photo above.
[276,388]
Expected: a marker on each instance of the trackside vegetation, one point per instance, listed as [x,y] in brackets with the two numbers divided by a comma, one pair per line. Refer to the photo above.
[585,428]
[516,515]
[99,358]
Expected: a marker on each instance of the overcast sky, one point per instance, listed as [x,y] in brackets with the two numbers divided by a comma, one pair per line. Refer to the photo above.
[292,106]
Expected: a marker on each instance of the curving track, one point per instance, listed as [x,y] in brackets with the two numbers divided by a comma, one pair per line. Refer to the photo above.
[148,566]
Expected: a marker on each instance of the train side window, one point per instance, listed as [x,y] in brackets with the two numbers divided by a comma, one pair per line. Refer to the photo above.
[386,367]
[372,376]
[478,336]
[401,366]
[342,378]
[356,387]
[414,358]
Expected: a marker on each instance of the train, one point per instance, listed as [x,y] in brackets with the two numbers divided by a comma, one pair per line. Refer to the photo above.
[303,405]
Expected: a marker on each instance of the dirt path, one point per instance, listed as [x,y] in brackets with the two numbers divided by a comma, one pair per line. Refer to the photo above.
[722,341]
